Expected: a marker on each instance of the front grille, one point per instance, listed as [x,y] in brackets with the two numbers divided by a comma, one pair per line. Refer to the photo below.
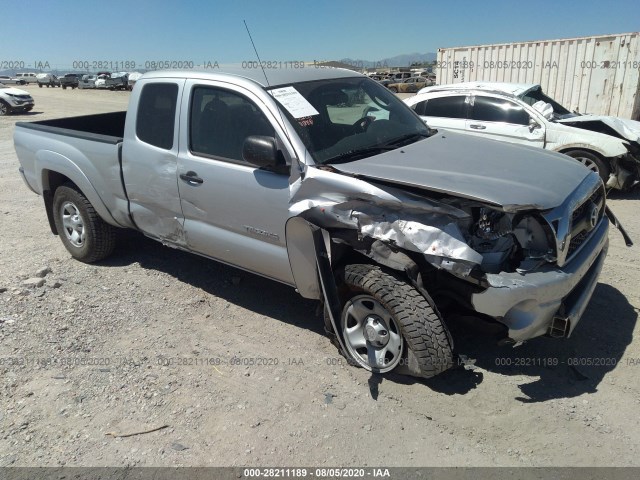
[595,198]
[576,242]
[581,222]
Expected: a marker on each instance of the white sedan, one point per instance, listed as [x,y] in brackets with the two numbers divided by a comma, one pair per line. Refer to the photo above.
[522,113]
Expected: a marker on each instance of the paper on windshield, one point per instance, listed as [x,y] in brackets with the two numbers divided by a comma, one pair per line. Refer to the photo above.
[294,102]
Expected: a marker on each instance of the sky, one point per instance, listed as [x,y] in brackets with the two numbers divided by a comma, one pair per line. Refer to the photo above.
[63,31]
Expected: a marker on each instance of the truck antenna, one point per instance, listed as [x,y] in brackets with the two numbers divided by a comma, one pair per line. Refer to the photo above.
[284,127]
[256,50]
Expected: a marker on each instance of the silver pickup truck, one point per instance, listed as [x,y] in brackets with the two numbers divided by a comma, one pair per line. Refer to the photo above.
[323,180]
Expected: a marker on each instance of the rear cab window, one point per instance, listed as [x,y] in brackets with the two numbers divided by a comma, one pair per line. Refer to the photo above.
[155,121]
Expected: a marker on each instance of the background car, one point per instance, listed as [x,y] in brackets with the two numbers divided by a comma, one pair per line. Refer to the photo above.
[70,80]
[101,80]
[87,81]
[6,80]
[14,100]
[521,113]
[409,85]
[47,80]
[28,77]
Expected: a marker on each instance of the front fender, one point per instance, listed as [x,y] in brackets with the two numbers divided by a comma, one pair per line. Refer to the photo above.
[561,138]
[303,257]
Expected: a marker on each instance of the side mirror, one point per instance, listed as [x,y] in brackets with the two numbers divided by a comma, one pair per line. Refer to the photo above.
[533,124]
[260,150]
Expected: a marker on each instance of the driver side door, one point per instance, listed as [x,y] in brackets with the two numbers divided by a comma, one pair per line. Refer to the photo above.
[234,212]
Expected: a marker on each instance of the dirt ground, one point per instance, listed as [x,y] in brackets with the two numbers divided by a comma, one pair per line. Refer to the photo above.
[237,371]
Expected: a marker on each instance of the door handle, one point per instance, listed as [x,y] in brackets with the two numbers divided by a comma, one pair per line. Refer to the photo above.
[191,178]
[475,126]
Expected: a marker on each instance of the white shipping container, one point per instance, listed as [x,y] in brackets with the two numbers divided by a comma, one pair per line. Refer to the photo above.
[598,74]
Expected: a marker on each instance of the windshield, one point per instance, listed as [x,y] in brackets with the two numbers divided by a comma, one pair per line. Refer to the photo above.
[535,95]
[348,118]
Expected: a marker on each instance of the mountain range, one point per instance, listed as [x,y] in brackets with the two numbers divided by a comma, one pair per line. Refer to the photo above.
[404,60]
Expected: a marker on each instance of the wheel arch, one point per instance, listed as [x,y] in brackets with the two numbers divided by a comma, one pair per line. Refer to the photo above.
[598,153]
[52,179]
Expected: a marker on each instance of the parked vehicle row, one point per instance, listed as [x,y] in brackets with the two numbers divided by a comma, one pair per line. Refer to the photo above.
[394,227]
[106,80]
[409,85]
[522,113]
[109,81]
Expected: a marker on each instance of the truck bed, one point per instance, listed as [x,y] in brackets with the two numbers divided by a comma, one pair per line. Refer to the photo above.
[103,127]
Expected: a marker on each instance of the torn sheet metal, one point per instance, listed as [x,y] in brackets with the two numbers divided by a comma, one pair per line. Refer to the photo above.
[627,129]
[437,241]
[331,200]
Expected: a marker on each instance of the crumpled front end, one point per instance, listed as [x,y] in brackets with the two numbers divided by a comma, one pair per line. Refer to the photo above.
[532,271]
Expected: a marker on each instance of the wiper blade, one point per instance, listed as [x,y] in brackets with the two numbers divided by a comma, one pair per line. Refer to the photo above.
[405,138]
[359,153]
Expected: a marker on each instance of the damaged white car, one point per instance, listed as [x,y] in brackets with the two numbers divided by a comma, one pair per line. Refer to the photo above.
[325,181]
[522,113]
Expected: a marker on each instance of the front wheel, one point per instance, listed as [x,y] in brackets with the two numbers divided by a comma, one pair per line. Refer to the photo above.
[592,162]
[393,89]
[4,108]
[387,323]
[84,234]
[40,85]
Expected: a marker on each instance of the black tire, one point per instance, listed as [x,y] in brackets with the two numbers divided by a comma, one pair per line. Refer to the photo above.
[64,87]
[593,162]
[5,109]
[427,347]
[393,89]
[99,237]
[40,85]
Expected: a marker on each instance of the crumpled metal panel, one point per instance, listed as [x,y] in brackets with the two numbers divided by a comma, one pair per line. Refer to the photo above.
[332,200]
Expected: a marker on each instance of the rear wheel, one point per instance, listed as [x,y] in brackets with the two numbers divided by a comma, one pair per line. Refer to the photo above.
[40,85]
[83,233]
[385,323]
[592,162]
[393,89]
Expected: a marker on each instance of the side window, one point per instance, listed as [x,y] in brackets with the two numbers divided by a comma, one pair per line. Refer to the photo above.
[496,110]
[449,107]
[220,121]
[419,107]
[156,114]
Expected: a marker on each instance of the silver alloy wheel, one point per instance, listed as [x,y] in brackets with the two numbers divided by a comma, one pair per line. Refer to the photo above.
[371,334]
[73,224]
[590,164]
[3,108]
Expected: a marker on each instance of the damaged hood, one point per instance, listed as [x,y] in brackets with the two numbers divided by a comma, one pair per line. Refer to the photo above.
[627,129]
[514,177]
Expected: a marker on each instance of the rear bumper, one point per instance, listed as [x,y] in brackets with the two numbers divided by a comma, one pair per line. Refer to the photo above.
[528,303]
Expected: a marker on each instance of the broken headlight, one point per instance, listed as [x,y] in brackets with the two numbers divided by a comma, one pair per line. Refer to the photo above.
[492,237]
[510,242]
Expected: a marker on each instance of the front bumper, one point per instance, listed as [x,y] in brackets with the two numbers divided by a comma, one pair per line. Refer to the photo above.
[528,303]
[17,104]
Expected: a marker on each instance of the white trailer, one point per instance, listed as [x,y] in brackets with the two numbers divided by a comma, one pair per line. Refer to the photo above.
[598,74]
